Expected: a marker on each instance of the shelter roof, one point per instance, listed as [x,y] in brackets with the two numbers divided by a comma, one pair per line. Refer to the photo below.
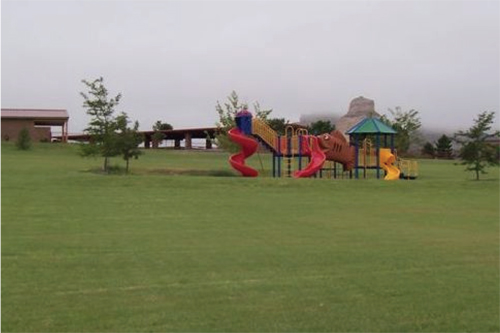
[35,113]
[371,126]
[39,116]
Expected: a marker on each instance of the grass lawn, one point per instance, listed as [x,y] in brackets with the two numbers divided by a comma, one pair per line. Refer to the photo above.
[160,250]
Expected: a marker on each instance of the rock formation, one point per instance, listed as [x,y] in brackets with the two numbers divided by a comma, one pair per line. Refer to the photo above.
[359,108]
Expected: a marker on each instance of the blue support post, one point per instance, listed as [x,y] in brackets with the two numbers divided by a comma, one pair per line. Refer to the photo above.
[378,155]
[356,157]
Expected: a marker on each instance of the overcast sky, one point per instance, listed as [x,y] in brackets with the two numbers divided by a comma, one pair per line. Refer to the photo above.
[173,60]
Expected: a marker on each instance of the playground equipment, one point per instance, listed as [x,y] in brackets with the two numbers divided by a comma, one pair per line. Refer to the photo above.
[387,160]
[289,150]
[318,157]
[377,156]
[248,148]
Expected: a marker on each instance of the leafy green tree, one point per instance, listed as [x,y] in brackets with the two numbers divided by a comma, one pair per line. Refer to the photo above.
[102,125]
[128,139]
[407,124]
[320,127]
[109,135]
[159,126]
[227,121]
[475,151]
[444,147]
[23,139]
[158,136]
[278,124]
[428,150]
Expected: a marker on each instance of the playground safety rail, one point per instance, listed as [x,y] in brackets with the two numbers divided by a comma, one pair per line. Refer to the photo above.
[265,132]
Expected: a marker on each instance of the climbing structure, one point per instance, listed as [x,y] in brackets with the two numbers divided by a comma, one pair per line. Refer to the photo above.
[288,150]
[359,154]
[373,142]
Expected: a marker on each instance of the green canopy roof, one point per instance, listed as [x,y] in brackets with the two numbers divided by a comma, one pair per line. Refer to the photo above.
[371,126]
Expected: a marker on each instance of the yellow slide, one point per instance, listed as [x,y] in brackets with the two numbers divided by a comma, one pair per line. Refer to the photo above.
[386,162]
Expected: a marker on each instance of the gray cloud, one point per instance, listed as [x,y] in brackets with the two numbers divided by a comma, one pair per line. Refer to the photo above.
[174,60]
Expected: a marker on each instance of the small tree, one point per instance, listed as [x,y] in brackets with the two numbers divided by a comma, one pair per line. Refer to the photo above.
[23,139]
[444,147]
[475,152]
[407,124]
[227,121]
[158,136]
[428,150]
[320,127]
[128,139]
[102,125]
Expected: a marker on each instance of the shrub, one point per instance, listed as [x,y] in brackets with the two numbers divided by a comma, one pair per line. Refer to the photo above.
[24,139]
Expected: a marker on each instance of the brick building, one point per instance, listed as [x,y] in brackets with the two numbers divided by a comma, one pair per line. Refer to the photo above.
[37,121]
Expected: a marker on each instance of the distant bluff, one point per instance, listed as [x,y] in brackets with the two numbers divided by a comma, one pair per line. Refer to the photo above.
[359,108]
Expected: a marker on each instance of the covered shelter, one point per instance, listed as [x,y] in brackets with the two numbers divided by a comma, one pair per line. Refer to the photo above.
[177,135]
[37,121]
[371,128]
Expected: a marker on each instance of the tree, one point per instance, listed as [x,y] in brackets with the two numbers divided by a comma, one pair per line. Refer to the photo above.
[444,147]
[158,136]
[278,124]
[128,139]
[227,121]
[475,152]
[23,139]
[428,150]
[321,126]
[159,126]
[102,124]
[109,134]
[407,124]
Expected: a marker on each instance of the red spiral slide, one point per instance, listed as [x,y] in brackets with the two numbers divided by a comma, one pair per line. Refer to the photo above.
[318,158]
[248,148]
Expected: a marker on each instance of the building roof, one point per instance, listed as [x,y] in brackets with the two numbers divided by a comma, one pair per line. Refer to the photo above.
[35,113]
[39,116]
[371,126]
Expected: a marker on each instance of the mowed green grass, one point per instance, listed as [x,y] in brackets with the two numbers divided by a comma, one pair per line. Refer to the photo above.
[155,251]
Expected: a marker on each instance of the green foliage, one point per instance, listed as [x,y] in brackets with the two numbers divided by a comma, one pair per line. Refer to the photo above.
[102,125]
[407,124]
[444,147]
[159,126]
[23,139]
[109,135]
[227,121]
[157,135]
[428,150]
[320,126]
[128,139]
[278,124]
[475,152]
[157,138]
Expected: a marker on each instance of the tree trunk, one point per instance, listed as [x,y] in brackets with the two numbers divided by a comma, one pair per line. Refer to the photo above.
[126,167]
[106,164]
